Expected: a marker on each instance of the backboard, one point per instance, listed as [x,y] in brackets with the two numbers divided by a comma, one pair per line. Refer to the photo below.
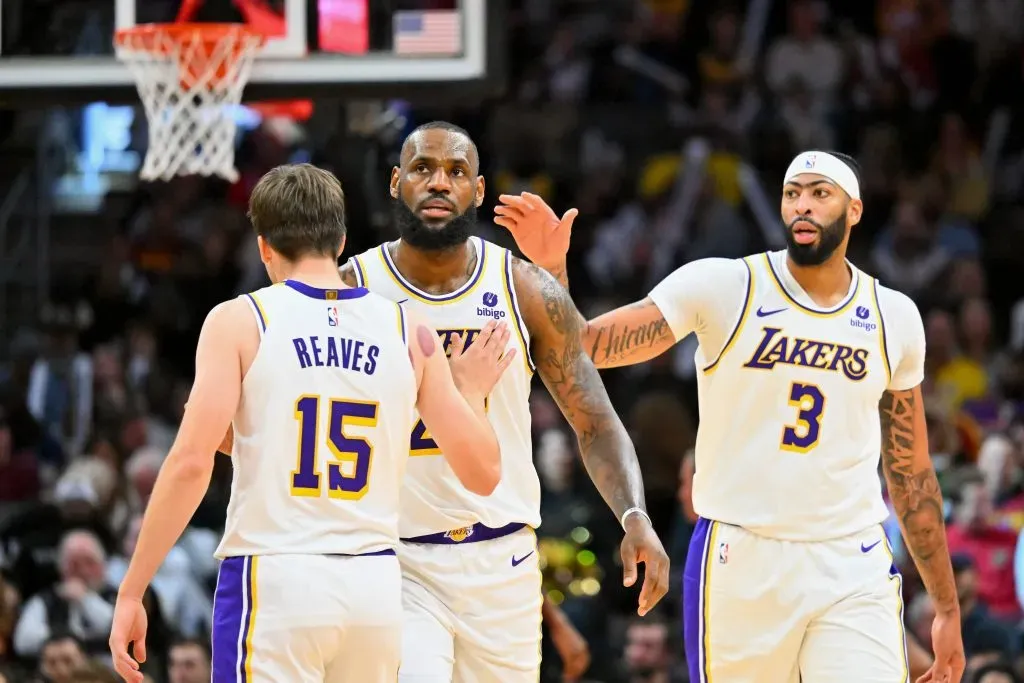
[61,51]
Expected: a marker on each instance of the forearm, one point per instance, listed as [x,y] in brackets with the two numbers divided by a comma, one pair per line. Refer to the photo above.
[611,462]
[179,489]
[915,494]
[627,336]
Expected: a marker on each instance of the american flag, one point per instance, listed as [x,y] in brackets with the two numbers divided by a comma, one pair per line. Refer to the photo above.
[428,32]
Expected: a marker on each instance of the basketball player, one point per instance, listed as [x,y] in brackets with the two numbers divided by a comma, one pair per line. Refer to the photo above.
[320,383]
[472,584]
[806,364]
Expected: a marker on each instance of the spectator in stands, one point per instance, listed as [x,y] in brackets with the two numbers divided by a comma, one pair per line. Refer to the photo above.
[998,672]
[82,603]
[648,656]
[189,662]
[806,57]
[60,656]
[983,635]
[182,599]
[986,550]
[29,540]
[19,468]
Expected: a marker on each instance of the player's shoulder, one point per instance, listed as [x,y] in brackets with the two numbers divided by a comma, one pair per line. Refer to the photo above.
[722,275]
[894,304]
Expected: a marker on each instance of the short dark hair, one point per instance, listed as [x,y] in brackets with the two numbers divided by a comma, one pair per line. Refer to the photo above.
[447,126]
[299,210]
[202,644]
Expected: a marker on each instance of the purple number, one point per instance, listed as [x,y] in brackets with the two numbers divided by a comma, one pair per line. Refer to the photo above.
[348,449]
[348,475]
[306,477]
[804,435]
[421,443]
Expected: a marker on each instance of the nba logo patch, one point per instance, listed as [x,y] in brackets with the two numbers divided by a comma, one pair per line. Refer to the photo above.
[810,161]
[332,316]
[723,553]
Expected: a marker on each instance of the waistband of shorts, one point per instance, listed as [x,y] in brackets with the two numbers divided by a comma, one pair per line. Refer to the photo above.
[467,534]
[376,553]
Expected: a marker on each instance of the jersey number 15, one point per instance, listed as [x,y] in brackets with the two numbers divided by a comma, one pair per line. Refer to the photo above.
[348,470]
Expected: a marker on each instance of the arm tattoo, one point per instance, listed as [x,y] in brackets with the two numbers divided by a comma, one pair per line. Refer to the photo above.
[561,274]
[348,274]
[915,494]
[571,378]
[610,345]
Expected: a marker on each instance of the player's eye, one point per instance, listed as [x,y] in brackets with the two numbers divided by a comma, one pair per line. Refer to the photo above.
[458,172]
[789,194]
[821,193]
[421,168]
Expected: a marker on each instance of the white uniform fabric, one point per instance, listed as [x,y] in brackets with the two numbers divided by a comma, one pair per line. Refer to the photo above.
[309,578]
[788,445]
[471,600]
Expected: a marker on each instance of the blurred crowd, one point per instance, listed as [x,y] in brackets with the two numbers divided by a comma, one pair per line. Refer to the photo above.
[668,123]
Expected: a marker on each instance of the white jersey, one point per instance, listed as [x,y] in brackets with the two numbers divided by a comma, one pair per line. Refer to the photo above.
[322,429]
[789,439]
[433,500]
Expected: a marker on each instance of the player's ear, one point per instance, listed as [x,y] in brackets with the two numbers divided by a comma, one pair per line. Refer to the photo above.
[854,211]
[395,175]
[481,188]
[341,247]
[265,251]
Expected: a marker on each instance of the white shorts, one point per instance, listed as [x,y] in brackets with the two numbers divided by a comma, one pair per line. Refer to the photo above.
[307,619]
[472,610]
[761,609]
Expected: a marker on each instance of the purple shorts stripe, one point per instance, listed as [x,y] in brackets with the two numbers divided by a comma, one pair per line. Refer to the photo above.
[234,610]
[694,611]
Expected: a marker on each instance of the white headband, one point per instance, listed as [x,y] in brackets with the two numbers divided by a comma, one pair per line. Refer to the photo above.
[824,164]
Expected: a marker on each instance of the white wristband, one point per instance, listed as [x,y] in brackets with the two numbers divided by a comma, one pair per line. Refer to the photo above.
[637,511]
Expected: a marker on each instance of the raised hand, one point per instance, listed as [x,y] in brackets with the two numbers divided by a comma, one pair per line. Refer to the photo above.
[541,235]
[478,368]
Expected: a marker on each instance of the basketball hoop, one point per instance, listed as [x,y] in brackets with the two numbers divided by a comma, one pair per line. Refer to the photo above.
[189,77]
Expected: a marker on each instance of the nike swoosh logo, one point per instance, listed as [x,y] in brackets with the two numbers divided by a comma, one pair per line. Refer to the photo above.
[867,548]
[517,562]
[764,314]
[401,302]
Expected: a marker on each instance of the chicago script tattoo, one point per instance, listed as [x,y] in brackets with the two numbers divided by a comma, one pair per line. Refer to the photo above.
[614,343]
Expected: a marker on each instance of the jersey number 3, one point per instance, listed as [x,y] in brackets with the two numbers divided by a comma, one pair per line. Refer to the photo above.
[348,470]
[803,436]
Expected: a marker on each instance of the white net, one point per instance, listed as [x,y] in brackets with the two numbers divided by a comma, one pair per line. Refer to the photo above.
[189,80]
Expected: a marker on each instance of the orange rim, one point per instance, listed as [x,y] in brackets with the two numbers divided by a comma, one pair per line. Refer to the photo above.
[148,36]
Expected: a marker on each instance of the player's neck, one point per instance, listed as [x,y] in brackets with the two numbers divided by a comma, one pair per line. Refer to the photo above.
[319,272]
[827,284]
[433,266]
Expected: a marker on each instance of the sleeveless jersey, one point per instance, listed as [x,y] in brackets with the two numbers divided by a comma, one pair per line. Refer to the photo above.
[322,429]
[788,444]
[433,499]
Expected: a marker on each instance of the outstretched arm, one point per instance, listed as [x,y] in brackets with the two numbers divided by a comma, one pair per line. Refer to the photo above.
[185,474]
[692,296]
[571,378]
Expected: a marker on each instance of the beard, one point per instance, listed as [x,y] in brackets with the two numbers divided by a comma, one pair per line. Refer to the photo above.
[416,233]
[829,238]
